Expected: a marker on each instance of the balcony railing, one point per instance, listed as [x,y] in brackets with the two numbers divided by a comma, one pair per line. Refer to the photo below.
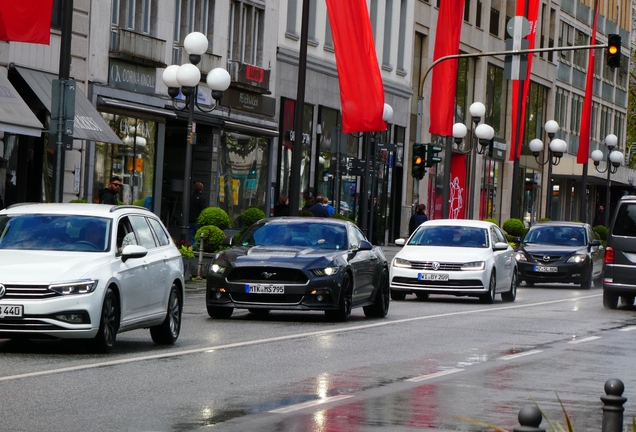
[138,47]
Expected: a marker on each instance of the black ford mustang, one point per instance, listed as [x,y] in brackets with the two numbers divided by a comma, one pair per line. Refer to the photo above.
[299,263]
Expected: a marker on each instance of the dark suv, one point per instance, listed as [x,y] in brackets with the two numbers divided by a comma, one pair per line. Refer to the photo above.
[619,280]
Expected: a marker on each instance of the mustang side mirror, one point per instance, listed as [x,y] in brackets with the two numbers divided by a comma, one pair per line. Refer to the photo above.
[228,241]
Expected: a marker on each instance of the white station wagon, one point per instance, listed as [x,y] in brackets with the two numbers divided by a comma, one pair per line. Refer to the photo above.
[88,271]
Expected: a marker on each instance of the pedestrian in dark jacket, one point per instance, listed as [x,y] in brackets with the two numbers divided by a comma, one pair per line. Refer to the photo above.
[109,195]
[282,208]
[418,218]
[319,210]
[197,204]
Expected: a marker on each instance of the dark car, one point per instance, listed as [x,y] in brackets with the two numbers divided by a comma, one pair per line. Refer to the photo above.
[563,252]
[619,274]
[299,264]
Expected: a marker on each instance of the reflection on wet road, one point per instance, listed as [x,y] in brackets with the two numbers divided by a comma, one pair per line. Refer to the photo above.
[427,366]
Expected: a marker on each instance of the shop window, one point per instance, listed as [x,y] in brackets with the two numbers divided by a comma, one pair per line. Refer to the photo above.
[133,161]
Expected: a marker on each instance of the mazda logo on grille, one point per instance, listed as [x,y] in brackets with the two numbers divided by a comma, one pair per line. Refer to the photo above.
[546,258]
[3,290]
[435,265]
[267,275]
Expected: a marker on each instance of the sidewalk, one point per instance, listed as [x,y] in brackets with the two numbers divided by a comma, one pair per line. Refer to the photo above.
[199,285]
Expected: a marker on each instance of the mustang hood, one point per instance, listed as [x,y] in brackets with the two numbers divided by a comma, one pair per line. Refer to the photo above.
[275,255]
[42,267]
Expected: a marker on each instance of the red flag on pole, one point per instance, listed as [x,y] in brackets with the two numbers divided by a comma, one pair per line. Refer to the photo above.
[361,88]
[447,34]
[26,21]
[584,139]
[517,136]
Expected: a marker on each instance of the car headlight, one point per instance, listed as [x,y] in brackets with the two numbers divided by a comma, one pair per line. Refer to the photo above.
[520,256]
[577,259]
[327,271]
[217,268]
[401,262]
[475,265]
[78,287]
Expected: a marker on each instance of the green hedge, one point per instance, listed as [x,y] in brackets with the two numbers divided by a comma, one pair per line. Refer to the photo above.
[514,227]
[251,216]
[212,238]
[215,216]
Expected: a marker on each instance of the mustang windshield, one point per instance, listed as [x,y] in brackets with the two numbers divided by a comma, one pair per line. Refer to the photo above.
[319,235]
[54,232]
[452,236]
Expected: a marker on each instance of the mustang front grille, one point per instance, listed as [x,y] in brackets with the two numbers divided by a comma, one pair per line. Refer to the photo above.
[270,275]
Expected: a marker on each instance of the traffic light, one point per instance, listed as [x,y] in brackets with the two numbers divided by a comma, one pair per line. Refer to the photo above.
[418,168]
[431,155]
[613,50]
[253,170]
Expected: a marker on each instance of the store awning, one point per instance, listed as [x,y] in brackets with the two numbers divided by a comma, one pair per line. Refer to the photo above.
[15,115]
[115,103]
[89,124]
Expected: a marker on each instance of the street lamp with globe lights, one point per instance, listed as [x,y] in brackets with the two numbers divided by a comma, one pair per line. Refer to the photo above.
[556,149]
[615,159]
[185,79]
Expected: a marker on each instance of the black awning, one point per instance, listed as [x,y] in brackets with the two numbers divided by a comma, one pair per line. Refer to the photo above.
[89,124]
[15,115]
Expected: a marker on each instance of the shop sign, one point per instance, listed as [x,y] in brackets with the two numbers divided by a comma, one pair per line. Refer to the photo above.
[138,79]
[248,101]
[253,76]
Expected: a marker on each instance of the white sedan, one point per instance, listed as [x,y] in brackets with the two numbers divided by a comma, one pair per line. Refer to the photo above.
[456,257]
[88,271]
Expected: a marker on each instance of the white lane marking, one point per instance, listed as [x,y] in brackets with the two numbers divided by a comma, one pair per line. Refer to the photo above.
[587,339]
[309,404]
[284,338]
[522,354]
[434,375]
[630,328]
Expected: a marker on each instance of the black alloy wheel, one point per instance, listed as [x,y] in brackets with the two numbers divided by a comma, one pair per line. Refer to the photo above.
[380,307]
[344,302]
[168,331]
[610,299]
[108,324]
[587,282]
[398,295]
[422,295]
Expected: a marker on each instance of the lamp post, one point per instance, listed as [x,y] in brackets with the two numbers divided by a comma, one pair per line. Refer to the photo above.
[615,159]
[556,148]
[185,79]
[484,135]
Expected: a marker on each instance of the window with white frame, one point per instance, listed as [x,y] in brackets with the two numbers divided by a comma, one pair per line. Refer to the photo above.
[593,128]
[191,16]
[575,114]
[619,124]
[561,107]
[388,20]
[566,38]
[580,56]
[246,33]
[606,121]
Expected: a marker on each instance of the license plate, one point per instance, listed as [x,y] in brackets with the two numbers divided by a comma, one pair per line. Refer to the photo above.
[544,269]
[264,289]
[433,276]
[11,311]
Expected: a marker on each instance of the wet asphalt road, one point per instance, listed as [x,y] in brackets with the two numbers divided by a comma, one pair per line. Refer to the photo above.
[422,368]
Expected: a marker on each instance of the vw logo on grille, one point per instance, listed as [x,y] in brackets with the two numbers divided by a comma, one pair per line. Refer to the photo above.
[546,258]
[3,290]
[267,275]
[435,265]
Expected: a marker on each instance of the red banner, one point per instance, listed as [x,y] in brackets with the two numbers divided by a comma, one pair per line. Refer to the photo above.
[447,34]
[26,21]
[458,194]
[361,88]
[586,120]
[517,137]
